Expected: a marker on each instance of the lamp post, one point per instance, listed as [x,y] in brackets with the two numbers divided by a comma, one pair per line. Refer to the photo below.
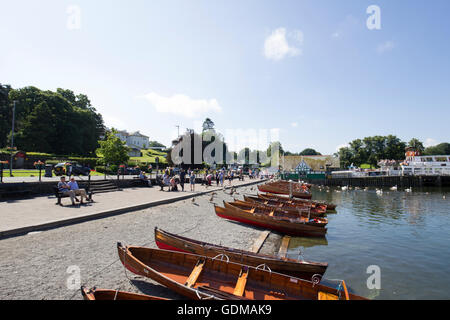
[39,165]
[12,139]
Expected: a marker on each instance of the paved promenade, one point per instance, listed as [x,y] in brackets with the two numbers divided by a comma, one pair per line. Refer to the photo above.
[23,216]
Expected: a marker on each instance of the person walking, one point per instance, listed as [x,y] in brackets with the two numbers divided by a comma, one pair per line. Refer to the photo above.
[221,177]
[182,179]
[192,181]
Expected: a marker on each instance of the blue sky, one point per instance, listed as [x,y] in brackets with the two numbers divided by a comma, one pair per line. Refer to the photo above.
[311,68]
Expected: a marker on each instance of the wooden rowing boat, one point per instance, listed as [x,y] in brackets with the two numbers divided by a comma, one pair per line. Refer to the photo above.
[202,278]
[276,213]
[300,269]
[290,213]
[278,189]
[102,294]
[270,196]
[295,184]
[303,208]
[268,220]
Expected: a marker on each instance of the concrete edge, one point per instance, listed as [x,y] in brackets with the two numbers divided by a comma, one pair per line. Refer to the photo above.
[108,213]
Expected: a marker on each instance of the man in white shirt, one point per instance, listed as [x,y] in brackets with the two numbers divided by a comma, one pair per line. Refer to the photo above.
[79,192]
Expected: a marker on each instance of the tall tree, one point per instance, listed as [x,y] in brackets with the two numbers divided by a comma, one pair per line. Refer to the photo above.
[439,150]
[38,130]
[113,150]
[416,144]
[309,152]
[208,124]
[5,124]
[76,126]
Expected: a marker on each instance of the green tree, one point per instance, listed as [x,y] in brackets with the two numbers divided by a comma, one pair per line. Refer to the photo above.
[416,144]
[439,150]
[38,131]
[309,152]
[345,156]
[76,126]
[5,122]
[208,124]
[156,144]
[113,150]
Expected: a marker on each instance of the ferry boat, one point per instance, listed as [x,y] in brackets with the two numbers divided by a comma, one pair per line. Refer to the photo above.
[417,164]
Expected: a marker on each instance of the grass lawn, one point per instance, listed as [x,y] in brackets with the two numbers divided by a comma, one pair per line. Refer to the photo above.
[150,155]
[35,173]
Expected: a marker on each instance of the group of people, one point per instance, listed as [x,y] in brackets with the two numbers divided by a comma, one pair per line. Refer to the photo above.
[172,178]
[72,190]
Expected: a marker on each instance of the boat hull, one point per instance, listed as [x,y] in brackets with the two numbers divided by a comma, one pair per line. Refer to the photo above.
[275,190]
[301,269]
[284,227]
[200,277]
[102,294]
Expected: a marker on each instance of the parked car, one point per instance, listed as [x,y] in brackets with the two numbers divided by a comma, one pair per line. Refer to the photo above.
[74,169]
[129,171]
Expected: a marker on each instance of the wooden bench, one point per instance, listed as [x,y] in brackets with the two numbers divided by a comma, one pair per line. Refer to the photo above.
[137,182]
[60,195]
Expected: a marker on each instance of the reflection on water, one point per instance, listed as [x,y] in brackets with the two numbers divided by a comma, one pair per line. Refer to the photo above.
[406,234]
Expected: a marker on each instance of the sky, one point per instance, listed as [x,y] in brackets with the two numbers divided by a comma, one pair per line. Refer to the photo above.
[313,72]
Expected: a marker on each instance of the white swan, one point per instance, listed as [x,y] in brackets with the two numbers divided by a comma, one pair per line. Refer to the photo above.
[394,188]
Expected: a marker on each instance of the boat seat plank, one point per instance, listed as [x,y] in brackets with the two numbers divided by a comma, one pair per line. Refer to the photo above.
[195,273]
[241,283]
[284,247]
[327,296]
[259,242]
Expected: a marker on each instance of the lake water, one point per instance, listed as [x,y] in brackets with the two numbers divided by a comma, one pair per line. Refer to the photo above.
[407,235]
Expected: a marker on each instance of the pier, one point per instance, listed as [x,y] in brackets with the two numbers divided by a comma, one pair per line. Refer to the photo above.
[385,181]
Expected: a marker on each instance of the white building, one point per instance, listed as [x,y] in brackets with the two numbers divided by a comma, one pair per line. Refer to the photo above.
[136,141]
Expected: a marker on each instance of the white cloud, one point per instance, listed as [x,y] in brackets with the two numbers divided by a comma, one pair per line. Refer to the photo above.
[182,105]
[114,122]
[430,143]
[276,46]
[385,47]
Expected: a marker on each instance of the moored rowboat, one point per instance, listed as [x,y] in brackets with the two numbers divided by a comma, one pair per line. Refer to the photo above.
[270,196]
[305,209]
[102,294]
[290,213]
[301,269]
[264,219]
[201,277]
[277,189]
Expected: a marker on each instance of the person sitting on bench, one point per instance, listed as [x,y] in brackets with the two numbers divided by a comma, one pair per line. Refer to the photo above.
[145,179]
[76,190]
[64,189]
[163,181]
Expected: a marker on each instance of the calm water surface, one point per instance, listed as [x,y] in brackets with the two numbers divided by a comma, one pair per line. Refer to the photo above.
[406,234]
